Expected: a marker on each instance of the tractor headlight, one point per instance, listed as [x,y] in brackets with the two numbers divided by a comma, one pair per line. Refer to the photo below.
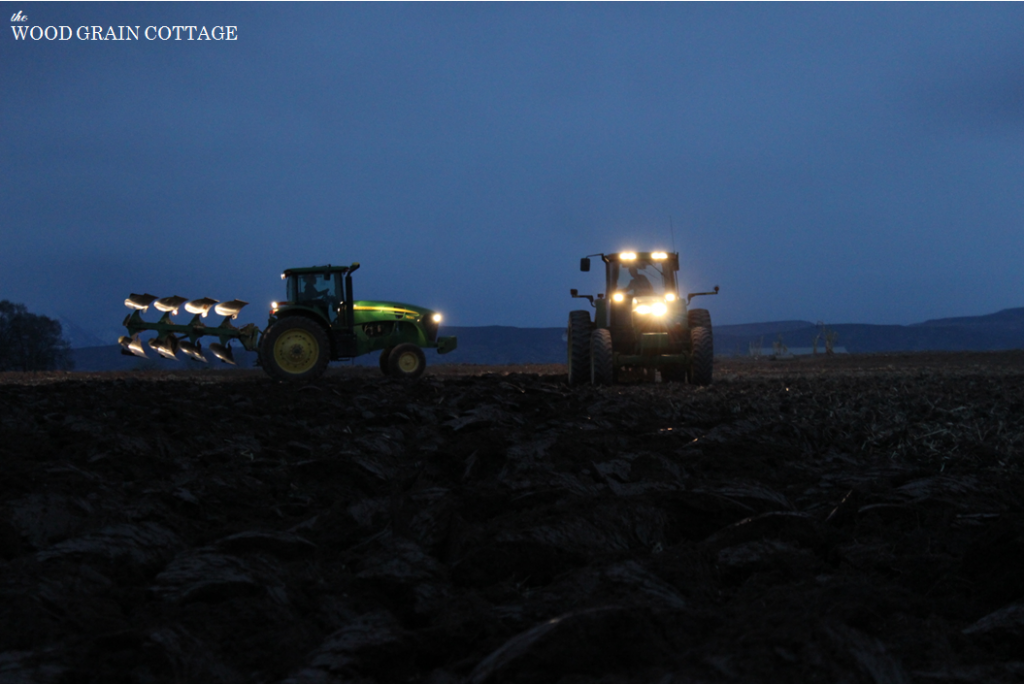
[659,255]
[627,256]
[273,305]
[643,309]
[670,297]
[618,297]
[436,318]
[658,309]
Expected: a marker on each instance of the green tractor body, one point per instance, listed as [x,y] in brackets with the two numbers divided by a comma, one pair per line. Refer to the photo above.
[320,321]
[641,325]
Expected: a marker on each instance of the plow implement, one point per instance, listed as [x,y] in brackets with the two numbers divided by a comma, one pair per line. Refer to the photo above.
[172,337]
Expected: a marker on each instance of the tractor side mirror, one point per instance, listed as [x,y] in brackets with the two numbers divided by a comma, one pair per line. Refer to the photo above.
[574,292]
[585,264]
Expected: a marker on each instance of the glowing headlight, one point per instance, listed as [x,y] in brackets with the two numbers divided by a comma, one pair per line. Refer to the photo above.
[643,309]
[618,297]
[659,255]
[658,309]
[670,297]
[627,256]
[436,318]
[282,276]
[273,305]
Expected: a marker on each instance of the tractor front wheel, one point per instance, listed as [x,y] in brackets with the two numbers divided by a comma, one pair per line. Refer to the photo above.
[295,349]
[384,355]
[602,359]
[703,359]
[578,346]
[406,361]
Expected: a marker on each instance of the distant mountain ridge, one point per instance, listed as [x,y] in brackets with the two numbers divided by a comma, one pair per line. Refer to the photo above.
[499,344]
[1001,330]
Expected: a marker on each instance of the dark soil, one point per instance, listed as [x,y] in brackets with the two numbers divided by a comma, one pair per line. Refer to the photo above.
[840,520]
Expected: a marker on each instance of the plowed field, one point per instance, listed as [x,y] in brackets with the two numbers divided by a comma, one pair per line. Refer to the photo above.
[856,519]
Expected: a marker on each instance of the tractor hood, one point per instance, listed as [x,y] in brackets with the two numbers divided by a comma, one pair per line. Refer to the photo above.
[424,321]
[378,310]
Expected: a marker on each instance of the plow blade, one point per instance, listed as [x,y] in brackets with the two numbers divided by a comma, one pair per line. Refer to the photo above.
[193,351]
[200,306]
[169,304]
[132,345]
[166,347]
[230,309]
[140,302]
[223,352]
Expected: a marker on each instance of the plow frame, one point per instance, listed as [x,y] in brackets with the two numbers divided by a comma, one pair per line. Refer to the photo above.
[248,335]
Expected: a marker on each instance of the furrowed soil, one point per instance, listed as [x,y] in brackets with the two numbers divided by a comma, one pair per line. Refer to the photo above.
[854,519]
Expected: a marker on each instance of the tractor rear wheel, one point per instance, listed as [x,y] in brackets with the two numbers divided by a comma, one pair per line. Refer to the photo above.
[703,359]
[602,360]
[578,345]
[384,354]
[699,318]
[406,362]
[295,349]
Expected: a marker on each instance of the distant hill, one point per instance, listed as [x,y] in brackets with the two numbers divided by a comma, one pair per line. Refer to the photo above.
[76,335]
[757,329]
[498,344]
[1001,330]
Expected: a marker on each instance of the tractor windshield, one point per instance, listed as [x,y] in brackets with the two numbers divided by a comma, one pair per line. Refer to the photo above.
[643,278]
[313,286]
[313,289]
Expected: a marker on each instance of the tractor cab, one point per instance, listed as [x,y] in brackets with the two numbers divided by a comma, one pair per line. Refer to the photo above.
[646,274]
[321,288]
[638,286]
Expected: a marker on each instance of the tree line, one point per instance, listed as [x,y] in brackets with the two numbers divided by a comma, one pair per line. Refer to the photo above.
[29,342]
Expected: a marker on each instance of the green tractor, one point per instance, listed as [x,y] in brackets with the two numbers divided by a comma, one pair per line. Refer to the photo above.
[320,322]
[641,325]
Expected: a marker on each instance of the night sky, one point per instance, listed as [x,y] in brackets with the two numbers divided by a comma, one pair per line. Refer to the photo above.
[852,163]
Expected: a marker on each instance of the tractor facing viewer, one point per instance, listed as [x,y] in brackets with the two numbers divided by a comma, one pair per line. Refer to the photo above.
[641,324]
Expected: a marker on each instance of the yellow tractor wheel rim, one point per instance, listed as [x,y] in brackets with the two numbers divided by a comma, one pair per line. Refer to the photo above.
[408,362]
[296,351]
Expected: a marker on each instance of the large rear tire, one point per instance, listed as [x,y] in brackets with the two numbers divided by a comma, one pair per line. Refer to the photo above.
[406,362]
[698,318]
[384,354]
[703,360]
[602,367]
[295,349]
[578,347]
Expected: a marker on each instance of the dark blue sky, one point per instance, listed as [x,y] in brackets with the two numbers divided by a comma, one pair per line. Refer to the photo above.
[843,162]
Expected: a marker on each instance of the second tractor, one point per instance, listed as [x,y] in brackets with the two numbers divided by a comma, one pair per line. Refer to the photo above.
[641,325]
